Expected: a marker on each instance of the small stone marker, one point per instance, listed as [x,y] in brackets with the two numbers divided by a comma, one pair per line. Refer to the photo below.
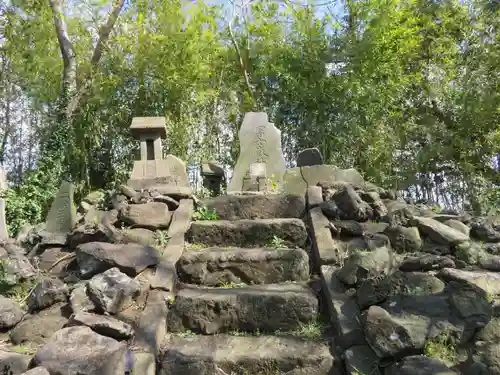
[260,142]
[4,234]
[152,170]
[62,215]
[308,157]
[257,170]
[255,179]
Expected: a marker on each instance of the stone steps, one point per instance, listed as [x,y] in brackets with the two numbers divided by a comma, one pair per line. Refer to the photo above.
[241,355]
[244,305]
[247,233]
[216,266]
[250,308]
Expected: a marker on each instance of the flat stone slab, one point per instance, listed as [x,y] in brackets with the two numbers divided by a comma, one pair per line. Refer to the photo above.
[419,365]
[39,328]
[37,371]
[165,275]
[360,359]
[218,266]
[131,258]
[486,280]
[221,354]
[144,364]
[343,310]
[266,206]
[325,248]
[162,187]
[249,308]
[79,350]
[439,232]
[103,325]
[298,179]
[150,328]
[247,233]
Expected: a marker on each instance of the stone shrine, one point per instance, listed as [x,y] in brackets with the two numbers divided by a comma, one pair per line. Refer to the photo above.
[213,176]
[260,142]
[152,170]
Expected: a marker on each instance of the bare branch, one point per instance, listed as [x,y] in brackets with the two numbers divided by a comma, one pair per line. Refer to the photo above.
[243,67]
[105,31]
[72,96]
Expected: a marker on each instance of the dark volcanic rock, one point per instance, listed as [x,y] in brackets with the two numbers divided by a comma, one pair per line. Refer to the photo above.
[131,258]
[219,266]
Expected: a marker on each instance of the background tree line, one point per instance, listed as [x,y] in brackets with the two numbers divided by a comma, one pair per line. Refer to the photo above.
[406,91]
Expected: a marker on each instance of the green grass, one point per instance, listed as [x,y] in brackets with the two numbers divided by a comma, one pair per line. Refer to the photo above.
[415,291]
[276,243]
[237,332]
[161,238]
[441,347]
[194,246]
[17,292]
[309,331]
[232,285]
[263,368]
[204,213]
[312,330]
[186,333]
[23,350]
[490,297]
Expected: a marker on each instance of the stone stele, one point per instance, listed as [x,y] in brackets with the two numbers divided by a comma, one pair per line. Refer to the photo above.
[260,142]
[62,214]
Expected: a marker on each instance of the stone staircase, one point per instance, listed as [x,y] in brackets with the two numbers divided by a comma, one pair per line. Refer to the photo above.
[244,303]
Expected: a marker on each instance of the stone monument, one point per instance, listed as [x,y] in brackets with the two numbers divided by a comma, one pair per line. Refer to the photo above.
[213,176]
[260,142]
[4,234]
[62,214]
[152,170]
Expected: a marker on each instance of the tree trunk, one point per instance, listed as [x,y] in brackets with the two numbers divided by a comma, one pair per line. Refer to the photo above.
[72,97]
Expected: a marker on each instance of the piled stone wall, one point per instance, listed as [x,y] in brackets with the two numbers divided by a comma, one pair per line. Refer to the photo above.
[409,290]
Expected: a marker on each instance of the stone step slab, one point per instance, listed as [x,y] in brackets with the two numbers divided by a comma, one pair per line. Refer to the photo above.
[248,233]
[262,206]
[219,266]
[224,354]
[343,310]
[265,308]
